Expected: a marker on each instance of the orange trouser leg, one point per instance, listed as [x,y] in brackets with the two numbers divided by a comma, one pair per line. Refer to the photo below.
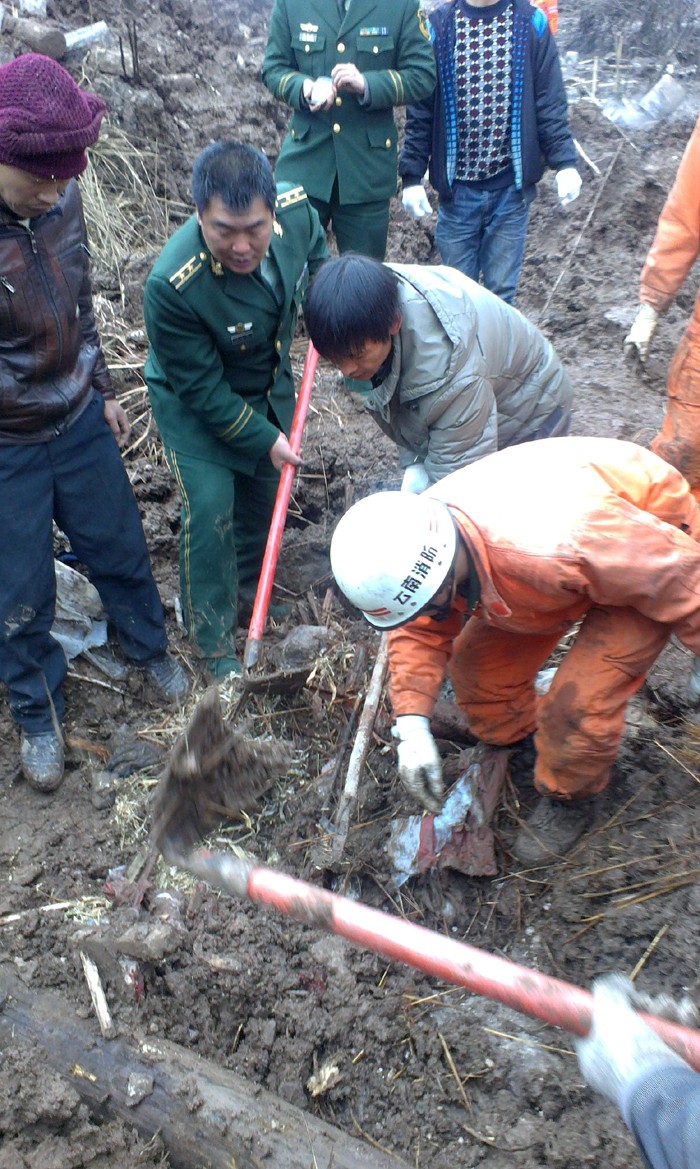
[492,672]
[580,721]
[678,441]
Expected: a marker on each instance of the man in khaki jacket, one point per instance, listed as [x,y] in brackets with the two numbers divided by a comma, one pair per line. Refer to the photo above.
[674,251]
[456,372]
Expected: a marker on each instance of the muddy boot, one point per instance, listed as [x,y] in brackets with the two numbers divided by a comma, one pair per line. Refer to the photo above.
[222,668]
[168,678]
[42,760]
[551,830]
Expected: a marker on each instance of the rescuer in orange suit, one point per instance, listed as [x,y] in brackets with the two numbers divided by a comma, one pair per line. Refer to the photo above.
[488,569]
[672,255]
[549,7]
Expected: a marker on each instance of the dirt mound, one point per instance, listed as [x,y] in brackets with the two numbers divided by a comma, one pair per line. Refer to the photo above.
[652,28]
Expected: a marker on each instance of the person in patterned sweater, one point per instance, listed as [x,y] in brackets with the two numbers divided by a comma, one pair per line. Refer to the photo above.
[496,119]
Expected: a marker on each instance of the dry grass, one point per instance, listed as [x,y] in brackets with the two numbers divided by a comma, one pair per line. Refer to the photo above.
[124,216]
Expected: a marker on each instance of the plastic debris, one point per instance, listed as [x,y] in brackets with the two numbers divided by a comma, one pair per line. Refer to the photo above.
[81,39]
[459,837]
[656,105]
[34,8]
[80,622]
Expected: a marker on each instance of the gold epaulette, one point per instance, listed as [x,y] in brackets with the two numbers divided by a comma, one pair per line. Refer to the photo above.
[290,198]
[188,270]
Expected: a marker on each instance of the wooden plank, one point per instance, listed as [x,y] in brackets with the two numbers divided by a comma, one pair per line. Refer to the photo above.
[208,1117]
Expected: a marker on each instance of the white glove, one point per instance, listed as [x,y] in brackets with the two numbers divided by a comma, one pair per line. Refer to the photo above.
[692,691]
[415,479]
[619,1045]
[420,768]
[415,201]
[642,332]
[568,185]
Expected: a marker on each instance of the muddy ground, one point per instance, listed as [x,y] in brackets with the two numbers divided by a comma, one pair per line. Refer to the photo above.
[263,996]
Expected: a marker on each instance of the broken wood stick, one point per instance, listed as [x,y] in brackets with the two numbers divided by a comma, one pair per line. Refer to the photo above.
[40,38]
[205,1115]
[579,237]
[360,749]
[97,994]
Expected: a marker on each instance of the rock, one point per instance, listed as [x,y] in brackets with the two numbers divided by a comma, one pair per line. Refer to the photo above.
[149,941]
[301,646]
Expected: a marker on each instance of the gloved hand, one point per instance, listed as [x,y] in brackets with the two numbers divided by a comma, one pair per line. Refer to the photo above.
[640,335]
[415,201]
[619,1045]
[415,479]
[692,691]
[568,185]
[420,768]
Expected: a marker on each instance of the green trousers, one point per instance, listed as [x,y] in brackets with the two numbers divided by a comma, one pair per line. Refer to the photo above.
[225,520]
[358,227]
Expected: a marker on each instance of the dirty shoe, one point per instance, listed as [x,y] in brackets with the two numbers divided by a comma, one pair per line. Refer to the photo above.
[42,760]
[551,830]
[221,668]
[168,678]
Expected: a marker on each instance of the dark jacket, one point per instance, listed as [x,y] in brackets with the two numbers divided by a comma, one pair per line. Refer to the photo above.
[50,355]
[540,134]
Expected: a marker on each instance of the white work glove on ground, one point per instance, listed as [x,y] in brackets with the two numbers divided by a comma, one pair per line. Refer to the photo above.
[692,691]
[420,768]
[416,202]
[640,335]
[568,185]
[619,1047]
[415,479]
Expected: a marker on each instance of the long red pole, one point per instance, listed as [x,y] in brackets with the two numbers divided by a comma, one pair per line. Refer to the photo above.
[527,991]
[279,515]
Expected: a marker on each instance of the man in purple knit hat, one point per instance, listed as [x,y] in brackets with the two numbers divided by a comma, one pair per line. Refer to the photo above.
[60,424]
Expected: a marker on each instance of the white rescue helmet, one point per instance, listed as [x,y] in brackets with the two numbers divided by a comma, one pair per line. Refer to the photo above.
[391,553]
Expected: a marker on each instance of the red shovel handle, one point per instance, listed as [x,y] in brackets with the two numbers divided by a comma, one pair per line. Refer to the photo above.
[538,995]
[279,515]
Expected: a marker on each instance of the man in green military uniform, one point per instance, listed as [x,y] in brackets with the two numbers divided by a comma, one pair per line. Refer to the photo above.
[220,307]
[342,143]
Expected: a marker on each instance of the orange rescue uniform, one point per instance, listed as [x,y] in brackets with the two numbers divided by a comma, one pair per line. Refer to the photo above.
[673,253]
[549,7]
[559,529]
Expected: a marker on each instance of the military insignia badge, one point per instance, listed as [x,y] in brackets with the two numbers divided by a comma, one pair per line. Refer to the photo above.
[277,228]
[216,266]
[423,23]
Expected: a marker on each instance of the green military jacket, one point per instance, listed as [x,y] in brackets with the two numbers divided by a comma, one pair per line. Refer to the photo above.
[389,42]
[218,361]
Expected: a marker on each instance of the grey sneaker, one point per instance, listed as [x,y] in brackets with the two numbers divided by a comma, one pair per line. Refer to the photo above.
[551,830]
[41,757]
[168,678]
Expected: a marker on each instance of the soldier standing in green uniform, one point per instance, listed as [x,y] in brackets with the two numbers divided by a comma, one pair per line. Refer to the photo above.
[220,307]
[343,145]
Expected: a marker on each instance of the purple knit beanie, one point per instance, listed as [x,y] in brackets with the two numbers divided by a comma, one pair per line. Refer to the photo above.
[46,121]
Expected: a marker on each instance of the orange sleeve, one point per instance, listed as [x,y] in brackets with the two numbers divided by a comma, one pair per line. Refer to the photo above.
[677,241]
[418,657]
[660,578]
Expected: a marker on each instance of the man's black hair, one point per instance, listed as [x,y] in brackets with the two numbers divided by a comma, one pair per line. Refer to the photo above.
[234,171]
[352,300]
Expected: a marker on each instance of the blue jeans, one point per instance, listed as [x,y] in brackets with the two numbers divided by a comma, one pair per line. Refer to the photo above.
[482,233]
[79,480]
